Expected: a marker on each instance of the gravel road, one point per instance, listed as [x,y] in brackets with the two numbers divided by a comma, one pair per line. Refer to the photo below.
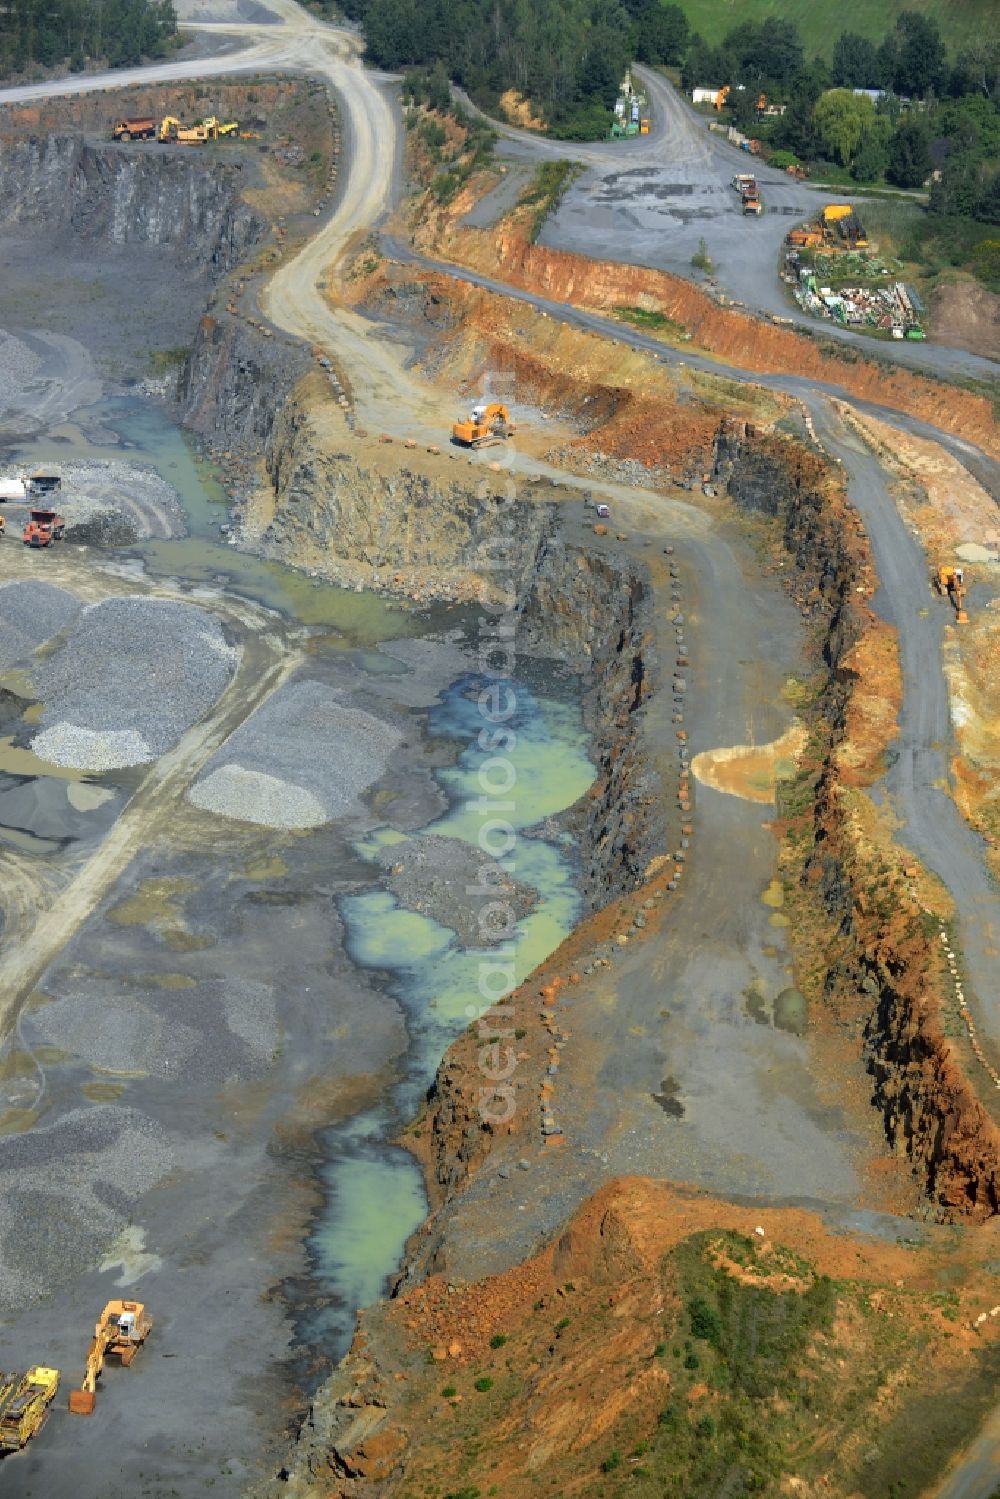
[134,674]
[650,201]
[930,822]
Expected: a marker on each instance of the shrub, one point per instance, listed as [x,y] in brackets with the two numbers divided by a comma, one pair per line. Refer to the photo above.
[497,1340]
[705,1320]
[611,1462]
[484,1383]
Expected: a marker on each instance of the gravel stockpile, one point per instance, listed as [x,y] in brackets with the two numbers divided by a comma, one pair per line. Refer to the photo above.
[132,677]
[118,503]
[30,614]
[64,1191]
[301,759]
[458,885]
[208,1032]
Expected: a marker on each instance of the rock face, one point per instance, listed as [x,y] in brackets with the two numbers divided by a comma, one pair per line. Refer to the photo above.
[234,381]
[591,609]
[403,527]
[883,968]
[103,194]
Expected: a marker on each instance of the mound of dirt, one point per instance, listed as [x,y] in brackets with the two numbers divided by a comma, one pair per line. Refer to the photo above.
[661,1339]
[967,316]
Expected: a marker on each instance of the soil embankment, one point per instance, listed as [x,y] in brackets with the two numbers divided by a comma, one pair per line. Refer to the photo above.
[643,1344]
[732,335]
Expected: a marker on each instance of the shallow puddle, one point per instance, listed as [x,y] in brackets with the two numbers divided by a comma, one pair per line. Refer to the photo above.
[751,771]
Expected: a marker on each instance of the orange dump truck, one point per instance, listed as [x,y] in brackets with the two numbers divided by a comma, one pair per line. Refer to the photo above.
[44,527]
[134,130]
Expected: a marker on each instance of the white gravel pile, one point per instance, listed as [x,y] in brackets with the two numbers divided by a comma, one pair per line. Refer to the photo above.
[302,759]
[134,675]
[77,748]
[260,798]
[30,614]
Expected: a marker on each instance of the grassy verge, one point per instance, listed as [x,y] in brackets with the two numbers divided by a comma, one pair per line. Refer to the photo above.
[546,192]
[651,321]
[960,24]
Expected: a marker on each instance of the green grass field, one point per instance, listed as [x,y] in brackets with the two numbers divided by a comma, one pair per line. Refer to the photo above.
[820,25]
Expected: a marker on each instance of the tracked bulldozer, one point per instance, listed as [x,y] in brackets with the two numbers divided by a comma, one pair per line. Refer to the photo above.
[488,424]
[24,1404]
[120,1334]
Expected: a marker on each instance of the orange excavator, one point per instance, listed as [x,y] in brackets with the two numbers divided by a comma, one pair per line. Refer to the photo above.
[120,1333]
[951,581]
[487,424]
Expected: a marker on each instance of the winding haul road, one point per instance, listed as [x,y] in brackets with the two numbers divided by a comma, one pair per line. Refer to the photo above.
[387,396]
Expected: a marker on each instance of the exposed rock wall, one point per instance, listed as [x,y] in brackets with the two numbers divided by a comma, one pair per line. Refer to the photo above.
[592,610]
[137,197]
[881,964]
[406,525]
[747,341]
[234,382]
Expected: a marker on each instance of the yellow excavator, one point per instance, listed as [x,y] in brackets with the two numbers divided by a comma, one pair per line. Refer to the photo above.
[173,132]
[24,1404]
[120,1333]
[488,424]
[950,581]
[221,130]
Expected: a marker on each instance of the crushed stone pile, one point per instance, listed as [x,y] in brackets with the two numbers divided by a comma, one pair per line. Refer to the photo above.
[458,886]
[209,1031]
[30,614]
[132,677]
[118,502]
[65,1191]
[18,366]
[302,759]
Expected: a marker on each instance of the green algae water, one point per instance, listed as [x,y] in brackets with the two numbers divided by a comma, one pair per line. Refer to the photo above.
[374,1194]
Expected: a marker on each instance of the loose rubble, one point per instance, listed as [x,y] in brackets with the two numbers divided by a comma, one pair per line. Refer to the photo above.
[30,614]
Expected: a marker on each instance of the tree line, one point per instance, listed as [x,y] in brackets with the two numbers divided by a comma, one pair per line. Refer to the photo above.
[51,33]
[932,116]
[566,56]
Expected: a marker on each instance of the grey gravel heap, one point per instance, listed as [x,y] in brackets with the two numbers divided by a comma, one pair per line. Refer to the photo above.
[209,1031]
[302,759]
[65,1191]
[133,676]
[30,614]
[458,886]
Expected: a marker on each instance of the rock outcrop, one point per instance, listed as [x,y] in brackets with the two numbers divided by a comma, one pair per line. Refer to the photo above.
[234,382]
[104,194]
